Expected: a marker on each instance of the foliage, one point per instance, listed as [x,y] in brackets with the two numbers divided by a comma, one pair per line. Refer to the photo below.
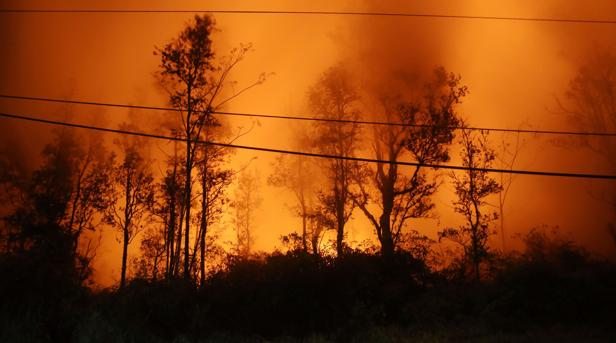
[334,97]
[246,202]
[549,286]
[472,188]
[62,198]
[133,195]
[215,178]
[590,106]
[299,176]
[195,82]
[590,103]
[430,114]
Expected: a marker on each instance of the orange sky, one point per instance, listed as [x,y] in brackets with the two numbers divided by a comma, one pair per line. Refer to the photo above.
[513,69]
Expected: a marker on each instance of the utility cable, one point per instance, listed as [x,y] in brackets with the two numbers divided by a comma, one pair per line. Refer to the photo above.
[308,154]
[301,118]
[319,13]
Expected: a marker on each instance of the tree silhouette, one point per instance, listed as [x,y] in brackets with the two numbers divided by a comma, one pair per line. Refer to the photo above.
[195,81]
[590,103]
[333,97]
[215,178]
[472,187]
[90,187]
[245,203]
[12,189]
[506,159]
[430,111]
[590,106]
[297,174]
[151,262]
[167,208]
[134,194]
[62,198]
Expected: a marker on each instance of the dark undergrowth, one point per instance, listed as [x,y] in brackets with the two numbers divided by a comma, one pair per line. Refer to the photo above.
[563,296]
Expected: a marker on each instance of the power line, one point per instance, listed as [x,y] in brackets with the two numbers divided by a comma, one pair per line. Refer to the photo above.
[319,13]
[308,154]
[341,121]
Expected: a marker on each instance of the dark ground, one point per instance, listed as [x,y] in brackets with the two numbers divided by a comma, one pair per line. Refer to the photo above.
[562,295]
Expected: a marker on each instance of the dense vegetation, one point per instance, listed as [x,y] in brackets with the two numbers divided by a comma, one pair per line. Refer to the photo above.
[553,290]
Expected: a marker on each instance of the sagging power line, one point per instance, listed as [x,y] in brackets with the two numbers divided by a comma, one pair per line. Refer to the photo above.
[320,13]
[308,154]
[302,118]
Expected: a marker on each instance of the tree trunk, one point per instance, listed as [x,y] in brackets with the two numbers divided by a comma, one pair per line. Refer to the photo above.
[124,257]
[501,204]
[387,243]
[74,205]
[475,249]
[188,187]
[304,223]
[187,217]
[127,220]
[202,255]
[171,239]
[204,206]
[314,236]
[340,237]
[171,257]
[476,256]
[178,242]
[339,203]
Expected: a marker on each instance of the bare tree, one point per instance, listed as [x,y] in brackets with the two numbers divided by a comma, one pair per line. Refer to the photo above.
[135,195]
[195,82]
[150,263]
[297,174]
[245,203]
[473,187]
[333,97]
[168,206]
[506,159]
[430,115]
[590,106]
[215,178]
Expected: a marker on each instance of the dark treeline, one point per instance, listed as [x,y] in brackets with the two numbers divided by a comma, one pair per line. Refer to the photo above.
[183,286]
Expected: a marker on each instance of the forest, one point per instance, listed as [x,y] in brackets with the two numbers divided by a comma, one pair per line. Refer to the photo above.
[189,270]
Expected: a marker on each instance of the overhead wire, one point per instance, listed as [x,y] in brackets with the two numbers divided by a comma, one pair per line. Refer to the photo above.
[315,13]
[303,118]
[307,154]
[388,14]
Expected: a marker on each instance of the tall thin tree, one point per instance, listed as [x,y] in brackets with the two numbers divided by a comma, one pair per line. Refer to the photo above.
[135,195]
[297,174]
[195,82]
[334,96]
[246,203]
[473,187]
